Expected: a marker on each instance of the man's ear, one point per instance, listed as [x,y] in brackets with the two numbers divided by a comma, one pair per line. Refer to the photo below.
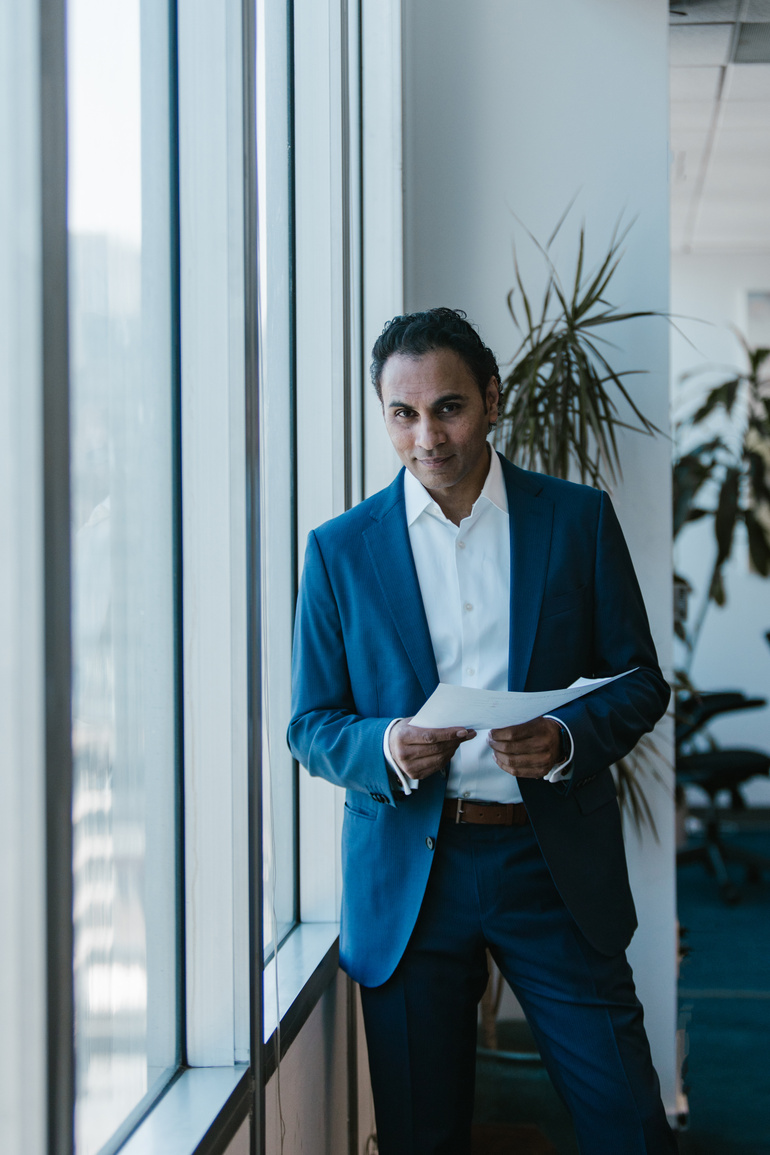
[492,399]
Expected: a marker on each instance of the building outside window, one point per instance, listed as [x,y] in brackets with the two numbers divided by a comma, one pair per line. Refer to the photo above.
[123,397]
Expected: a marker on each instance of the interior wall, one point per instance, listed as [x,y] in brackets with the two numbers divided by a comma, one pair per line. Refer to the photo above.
[309,1096]
[510,110]
[709,297]
[240,1143]
[314,1084]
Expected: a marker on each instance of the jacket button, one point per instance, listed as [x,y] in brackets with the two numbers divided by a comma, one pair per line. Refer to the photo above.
[429,842]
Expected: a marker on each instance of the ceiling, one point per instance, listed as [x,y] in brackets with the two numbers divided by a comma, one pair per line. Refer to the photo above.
[720,125]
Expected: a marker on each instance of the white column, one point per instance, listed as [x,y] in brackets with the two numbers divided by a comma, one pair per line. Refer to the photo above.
[510,109]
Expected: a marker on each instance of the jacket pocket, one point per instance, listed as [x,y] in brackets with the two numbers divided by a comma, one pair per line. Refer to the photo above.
[591,793]
[360,811]
[561,603]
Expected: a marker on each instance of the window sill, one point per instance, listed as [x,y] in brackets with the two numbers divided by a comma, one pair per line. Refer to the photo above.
[201,1111]
[204,1106]
[307,962]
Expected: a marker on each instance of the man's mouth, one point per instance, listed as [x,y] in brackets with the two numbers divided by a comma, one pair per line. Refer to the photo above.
[433,462]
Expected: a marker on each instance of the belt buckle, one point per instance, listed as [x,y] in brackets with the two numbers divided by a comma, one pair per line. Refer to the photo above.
[459,814]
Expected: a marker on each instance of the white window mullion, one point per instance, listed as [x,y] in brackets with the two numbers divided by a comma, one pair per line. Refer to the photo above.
[318,228]
[23,1080]
[213,528]
[383,240]
[321,449]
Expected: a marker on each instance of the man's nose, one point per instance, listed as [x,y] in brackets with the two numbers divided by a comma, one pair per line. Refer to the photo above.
[430,434]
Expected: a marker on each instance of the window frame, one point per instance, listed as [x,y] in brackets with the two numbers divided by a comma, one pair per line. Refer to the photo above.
[24,1099]
[214,161]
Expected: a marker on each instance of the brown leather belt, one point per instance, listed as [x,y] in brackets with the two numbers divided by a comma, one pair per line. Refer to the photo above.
[485,813]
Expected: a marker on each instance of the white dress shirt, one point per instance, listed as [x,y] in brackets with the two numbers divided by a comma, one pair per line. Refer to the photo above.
[464,573]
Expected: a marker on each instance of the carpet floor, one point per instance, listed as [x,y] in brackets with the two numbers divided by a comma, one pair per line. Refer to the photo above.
[724,1004]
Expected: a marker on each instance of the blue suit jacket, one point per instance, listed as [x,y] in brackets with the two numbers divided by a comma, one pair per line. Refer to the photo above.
[363,656]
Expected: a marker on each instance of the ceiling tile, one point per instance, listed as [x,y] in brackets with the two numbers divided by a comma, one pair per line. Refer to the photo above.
[758,11]
[754,140]
[689,141]
[697,83]
[746,82]
[699,44]
[687,115]
[685,167]
[738,182]
[686,156]
[753,44]
[745,114]
[733,210]
[729,225]
[678,218]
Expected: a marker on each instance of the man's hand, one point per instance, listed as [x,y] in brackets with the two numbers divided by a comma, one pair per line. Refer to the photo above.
[530,750]
[420,751]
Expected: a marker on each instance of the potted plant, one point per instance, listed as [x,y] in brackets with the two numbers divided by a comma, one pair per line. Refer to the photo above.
[562,404]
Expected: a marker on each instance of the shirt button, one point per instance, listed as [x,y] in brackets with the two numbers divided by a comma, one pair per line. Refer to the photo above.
[467,794]
[468,606]
[461,545]
[429,843]
[470,671]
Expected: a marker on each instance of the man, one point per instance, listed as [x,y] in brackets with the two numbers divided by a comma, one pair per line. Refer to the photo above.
[471,571]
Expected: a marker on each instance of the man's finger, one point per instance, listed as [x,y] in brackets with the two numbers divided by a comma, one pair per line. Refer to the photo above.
[420,734]
[532,745]
[417,760]
[523,730]
[424,770]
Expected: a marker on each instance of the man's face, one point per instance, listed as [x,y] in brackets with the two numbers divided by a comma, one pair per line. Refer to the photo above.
[436,417]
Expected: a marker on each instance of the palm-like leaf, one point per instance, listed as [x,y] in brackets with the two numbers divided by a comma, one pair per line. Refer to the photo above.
[643,760]
[559,402]
[560,407]
[738,471]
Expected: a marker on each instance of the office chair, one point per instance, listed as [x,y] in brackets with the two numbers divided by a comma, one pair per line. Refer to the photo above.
[713,770]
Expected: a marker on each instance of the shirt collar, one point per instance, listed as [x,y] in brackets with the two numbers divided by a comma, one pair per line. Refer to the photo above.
[417,499]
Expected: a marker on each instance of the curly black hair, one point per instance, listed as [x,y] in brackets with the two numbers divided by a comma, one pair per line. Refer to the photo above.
[414,334]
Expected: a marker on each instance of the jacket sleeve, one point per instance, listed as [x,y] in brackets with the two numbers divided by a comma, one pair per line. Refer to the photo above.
[607,724]
[326,735]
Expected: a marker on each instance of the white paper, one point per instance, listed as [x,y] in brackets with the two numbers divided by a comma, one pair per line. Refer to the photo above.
[491,709]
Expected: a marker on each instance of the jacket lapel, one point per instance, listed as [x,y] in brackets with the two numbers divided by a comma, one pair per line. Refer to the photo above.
[530,514]
[387,541]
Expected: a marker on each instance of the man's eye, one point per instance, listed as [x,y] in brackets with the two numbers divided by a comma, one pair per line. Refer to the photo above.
[450,407]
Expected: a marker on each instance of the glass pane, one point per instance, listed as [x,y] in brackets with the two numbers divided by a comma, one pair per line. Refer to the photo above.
[277,466]
[124,714]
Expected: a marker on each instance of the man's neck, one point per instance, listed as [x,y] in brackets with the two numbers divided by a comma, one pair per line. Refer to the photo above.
[457,501]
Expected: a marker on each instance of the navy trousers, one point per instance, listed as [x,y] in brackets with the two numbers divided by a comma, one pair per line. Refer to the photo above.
[490,887]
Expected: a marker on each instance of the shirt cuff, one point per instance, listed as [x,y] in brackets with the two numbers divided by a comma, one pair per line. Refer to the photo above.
[562,772]
[407,784]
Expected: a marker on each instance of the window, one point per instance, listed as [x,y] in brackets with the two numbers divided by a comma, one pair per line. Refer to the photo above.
[129,496]
[122,423]
[278,465]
